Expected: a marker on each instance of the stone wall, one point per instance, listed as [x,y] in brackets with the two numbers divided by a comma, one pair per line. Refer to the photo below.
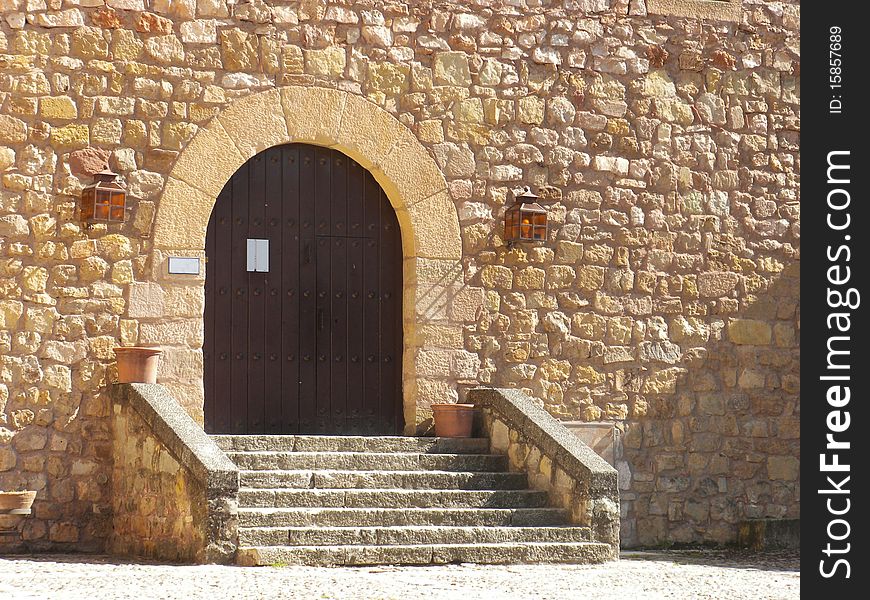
[156,504]
[174,497]
[557,462]
[666,149]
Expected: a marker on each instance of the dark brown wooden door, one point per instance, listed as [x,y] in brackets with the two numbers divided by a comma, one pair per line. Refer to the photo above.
[313,345]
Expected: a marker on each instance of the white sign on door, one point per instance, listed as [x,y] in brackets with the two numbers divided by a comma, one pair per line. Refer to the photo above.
[258,256]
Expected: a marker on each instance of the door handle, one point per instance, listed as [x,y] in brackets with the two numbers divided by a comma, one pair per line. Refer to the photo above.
[306,254]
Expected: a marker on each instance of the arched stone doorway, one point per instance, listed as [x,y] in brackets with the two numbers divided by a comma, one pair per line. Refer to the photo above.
[407,173]
[303,299]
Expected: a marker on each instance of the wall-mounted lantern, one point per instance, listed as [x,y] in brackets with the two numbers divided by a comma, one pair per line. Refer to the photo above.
[525,220]
[104,201]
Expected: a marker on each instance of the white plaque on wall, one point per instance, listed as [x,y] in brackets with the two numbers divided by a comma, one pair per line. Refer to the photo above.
[184,265]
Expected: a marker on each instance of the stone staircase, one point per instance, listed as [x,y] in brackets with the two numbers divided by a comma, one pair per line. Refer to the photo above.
[317,500]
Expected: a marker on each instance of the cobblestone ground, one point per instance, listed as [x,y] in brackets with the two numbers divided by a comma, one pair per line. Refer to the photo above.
[639,575]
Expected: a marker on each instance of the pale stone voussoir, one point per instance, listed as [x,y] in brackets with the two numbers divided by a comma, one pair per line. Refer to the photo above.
[367,132]
[436,227]
[256,122]
[209,160]
[183,216]
[313,114]
[410,173]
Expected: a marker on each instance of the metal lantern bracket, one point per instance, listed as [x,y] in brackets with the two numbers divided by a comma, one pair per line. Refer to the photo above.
[526,220]
[104,201]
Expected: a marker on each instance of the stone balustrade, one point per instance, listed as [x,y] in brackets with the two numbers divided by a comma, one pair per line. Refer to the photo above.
[175,493]
[556,460]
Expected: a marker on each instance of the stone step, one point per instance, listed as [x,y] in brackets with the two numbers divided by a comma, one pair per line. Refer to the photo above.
[506,553]
[320,443]
[390,536]
[278,498]
[388,517]
[368,461]
[415,480]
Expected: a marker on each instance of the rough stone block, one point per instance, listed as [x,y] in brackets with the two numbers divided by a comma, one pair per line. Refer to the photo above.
[209,160]
[451,68]
[313,114]
[749,332]
[183,210]
[783,468]
[253,134]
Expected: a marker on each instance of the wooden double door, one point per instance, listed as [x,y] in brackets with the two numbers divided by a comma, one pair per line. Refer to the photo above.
[303,313]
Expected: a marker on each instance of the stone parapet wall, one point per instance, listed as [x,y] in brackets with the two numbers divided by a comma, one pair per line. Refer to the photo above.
[556,461]
[666,150]
[174,493]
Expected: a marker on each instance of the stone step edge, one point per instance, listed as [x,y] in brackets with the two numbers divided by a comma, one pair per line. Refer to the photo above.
[383,490]
[228,442]
[434,493]
[344,479]
[594,552]
[345,453]
[332,473]
[335,509]
[383,517]
[434,439]
[339,529]
[367,461]
[369,471]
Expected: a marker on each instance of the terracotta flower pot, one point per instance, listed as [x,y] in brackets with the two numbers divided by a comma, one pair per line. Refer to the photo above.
[16,501]
[137,365]
[453,420]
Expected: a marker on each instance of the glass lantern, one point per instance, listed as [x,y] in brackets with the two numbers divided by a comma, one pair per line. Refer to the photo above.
[525,220]
[104,201]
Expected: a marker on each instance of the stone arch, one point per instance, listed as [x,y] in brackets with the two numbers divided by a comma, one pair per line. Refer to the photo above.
[413,182]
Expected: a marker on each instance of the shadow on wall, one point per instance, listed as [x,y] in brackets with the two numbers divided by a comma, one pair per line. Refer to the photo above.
[714,439]
[705,393]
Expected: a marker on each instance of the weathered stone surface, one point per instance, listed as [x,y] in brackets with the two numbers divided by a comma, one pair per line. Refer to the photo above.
[106,18]
[12,130]
[530,110]
[126,4]
[64,18]
[88,161]
[252,136]
[749,331]
[89,42]
[239,50]
[668,163]
[329,62]
[193,484]
[224,159]
[451,68]
[367,134]
[13,226]
[784,468]
[165,49]
[184,206]
[312,115]
[212,8]
[388,78]
[151,23]
[58,107]
[70,136]
[716,284]
[199,32]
